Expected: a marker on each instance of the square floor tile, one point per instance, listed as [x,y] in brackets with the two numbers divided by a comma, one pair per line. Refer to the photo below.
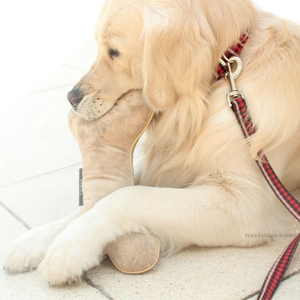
[35,138]
[45,198]
[32,285]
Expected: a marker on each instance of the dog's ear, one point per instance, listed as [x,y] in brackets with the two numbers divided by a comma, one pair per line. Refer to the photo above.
[177,56]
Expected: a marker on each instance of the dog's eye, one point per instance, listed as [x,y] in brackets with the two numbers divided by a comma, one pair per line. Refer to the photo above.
[113,53]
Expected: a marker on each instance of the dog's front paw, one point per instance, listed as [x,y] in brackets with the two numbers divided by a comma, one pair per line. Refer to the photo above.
[71,253]
[27,251]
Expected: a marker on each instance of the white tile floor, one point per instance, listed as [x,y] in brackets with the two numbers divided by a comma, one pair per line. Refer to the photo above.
[38,184]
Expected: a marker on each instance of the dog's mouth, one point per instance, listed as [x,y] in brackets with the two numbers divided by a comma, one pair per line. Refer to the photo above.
[94,108]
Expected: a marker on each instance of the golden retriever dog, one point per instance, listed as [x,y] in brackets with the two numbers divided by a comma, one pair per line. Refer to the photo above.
[199,183]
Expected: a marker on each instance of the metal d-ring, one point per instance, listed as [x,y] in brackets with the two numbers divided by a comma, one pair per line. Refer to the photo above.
[239,66]
[235,93]
[234,59]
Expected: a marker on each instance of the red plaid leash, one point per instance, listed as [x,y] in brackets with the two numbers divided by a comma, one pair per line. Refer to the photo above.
[239,107]
[281,265]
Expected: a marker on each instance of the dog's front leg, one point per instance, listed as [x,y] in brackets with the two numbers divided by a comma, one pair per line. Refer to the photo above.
[204,215]
[27,251]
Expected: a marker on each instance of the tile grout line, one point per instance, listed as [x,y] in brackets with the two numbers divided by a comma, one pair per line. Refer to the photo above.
[77,69]
[284,279]
[50,89]
[97,287]
[57,87]
[40,175]
[85,278]
[14,215]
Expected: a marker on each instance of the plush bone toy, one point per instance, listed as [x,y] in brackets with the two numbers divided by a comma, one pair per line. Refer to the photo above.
[107,146]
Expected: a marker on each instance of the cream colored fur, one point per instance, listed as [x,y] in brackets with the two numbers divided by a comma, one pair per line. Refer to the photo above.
[199,182]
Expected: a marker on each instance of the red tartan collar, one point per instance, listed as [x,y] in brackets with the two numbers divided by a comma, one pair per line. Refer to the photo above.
[234,50]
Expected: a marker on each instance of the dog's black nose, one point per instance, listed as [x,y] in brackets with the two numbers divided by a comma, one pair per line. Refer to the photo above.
[75,97]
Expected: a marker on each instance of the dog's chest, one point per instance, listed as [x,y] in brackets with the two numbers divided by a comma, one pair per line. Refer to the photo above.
[213,151]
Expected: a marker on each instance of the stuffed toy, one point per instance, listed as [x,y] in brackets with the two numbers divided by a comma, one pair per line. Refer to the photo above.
[107,146]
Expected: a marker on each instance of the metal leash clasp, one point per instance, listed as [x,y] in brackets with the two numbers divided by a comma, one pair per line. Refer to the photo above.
[235,93]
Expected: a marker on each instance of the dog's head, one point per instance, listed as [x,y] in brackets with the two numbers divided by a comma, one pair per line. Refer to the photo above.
[167,48]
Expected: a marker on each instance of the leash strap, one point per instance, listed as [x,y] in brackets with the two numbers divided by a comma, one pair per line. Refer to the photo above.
[281,265]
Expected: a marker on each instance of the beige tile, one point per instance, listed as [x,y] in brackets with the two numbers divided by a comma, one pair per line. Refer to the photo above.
[223,273]
[287,290]
[45,198]
[32,285]
[35,138]
[85,57]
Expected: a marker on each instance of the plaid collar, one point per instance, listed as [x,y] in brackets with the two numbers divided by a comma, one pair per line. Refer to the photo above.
[234,50]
